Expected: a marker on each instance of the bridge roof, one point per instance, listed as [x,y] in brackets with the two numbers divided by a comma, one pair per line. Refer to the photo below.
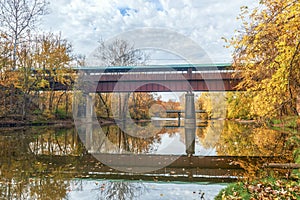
[151,68]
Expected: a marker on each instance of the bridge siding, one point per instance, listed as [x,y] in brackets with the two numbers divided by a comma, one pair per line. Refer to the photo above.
[163,86]
[181,81]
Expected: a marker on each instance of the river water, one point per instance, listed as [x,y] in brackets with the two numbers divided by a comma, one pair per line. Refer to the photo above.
[70,163]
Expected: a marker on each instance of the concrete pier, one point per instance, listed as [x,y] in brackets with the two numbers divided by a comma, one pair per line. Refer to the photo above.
[190,140]
[190,124]
[190,113]
[89,121]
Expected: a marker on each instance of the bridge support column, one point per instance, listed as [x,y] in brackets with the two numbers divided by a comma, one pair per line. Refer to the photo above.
[89,110]
[190,135]
[190,123]
[190,113]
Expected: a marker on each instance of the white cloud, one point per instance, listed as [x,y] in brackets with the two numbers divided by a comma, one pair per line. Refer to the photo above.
[84,22]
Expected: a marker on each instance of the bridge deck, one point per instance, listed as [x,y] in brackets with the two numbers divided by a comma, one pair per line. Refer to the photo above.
[156,82]
[154,78]
[155,68]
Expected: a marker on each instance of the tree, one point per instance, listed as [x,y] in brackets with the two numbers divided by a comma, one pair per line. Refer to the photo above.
[17,18]
[238,105]
[25,82]
[53,55]
[5,64]
[118,53]
[267,56]
[140,104]
[42,61]
[213,103]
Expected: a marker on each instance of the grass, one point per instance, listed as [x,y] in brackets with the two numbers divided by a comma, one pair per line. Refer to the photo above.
[285,122]
[268,188]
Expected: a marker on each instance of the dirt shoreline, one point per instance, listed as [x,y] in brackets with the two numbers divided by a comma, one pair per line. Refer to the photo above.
[10,123]
[68,123]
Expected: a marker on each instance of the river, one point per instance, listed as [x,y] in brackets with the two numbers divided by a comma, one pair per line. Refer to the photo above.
[148,161]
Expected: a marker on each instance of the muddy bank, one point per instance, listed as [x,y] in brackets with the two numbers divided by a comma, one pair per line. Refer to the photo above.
[14,123]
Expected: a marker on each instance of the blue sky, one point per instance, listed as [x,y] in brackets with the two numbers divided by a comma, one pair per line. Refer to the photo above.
[84,22]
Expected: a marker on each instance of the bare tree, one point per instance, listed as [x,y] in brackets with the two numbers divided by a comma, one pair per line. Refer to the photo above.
[119,53]
[17,18]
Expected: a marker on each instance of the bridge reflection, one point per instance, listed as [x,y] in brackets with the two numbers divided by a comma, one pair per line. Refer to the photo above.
[62,152]
[38,161]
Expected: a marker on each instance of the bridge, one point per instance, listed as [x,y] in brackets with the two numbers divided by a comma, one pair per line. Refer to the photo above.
[156,78]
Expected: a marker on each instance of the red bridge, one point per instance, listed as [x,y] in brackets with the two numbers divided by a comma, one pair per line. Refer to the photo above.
[157,78]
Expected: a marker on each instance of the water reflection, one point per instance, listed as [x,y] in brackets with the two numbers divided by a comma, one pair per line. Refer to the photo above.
[148,140]
[57,142]
[250,140]
[22,174]
[41,163]
[121,190]
[100,189]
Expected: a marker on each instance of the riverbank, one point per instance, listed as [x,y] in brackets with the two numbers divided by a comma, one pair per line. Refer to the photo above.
[269,188]
[267,185]
[15,122]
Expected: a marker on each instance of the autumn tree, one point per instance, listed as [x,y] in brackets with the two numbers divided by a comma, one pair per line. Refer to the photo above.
[18,18]
[42,62]
[53,55]
[213,103]
[5,64]
[25,81]
[267,57]
[139,105]
[239,105]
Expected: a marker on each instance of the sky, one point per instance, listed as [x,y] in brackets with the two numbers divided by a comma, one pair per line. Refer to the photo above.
[189,25]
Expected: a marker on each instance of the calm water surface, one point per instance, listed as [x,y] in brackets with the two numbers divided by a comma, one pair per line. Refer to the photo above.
[55,163]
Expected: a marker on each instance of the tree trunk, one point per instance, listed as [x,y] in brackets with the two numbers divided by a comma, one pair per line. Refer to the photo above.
[124,105]
[105,105]
[298,111]
[24,106]
[51,97]
[67,103]
[298,105]
[58,101]
[12,94]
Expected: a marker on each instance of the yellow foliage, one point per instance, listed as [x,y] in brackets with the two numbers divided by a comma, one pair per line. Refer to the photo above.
[267,56]
[213,103]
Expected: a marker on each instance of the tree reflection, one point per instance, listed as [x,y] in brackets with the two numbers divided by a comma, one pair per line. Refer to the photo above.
[209,135]
[121,190]
[26,175]
[248,140]
[33,165]
[57,142]
[112,139]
